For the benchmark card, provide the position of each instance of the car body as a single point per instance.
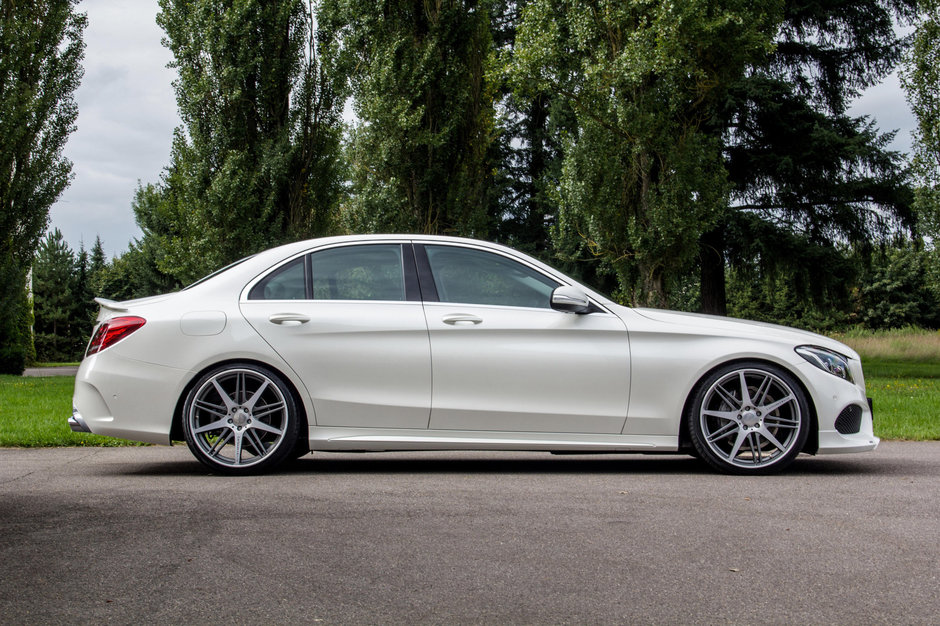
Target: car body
(407, 342)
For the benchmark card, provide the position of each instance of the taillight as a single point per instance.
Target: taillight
(112, 331)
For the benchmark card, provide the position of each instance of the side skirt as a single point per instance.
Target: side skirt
(332, 438)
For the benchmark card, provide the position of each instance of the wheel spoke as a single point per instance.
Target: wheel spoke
(774, 422)
(268, 409)
(220, 443)
(745, 391)
(742, 435)
(755, 452)
(239, 438)
(259, 425)
(770, 408)
(229, 403)
(762, 390)
(724, 415)
(239, 387)
(210, 407)
(766, 434)
(723, 433)
(255, 442)
(220, 423)
(250, 404)
(729, 398)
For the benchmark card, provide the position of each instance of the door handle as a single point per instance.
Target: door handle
(461, 318)
(289, 319)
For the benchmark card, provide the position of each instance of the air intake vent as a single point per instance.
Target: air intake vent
(849, 421)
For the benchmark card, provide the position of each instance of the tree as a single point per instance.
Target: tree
(16, 338)
(531, 127)
(921, 80)
(896, 292)
(421, 157)
(805, 175)
(97, 265)
(41, 49)
(134, 274)
(56, 300)
(256, 162)
(642, 177)
(84, 309)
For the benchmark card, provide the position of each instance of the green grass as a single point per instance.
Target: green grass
(34, 413)
(902, 375)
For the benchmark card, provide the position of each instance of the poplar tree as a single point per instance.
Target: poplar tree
(256, 161)
(41, 50)
(921, 80)
(642, 175)
(422, 154)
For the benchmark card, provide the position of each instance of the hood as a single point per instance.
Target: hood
(745, 328)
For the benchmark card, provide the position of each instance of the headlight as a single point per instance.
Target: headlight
(827, 360)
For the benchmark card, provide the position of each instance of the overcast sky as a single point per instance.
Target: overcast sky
(127, 113)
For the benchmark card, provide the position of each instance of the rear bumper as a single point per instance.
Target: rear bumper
(125, 398)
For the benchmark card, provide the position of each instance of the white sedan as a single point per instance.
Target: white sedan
(437, 343)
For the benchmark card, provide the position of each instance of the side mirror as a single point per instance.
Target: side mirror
(570, 300)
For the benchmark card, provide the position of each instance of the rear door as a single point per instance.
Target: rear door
(349, 321)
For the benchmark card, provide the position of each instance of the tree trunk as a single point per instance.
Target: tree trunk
(712, 267)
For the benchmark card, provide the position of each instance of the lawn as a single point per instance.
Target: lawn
(902, 374)
(34, 413)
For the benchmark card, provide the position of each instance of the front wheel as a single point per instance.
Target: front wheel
(749, 418)
(240, 419)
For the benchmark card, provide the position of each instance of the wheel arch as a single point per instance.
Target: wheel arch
(812, 441)
(176, 428)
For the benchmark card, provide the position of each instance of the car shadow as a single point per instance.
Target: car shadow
(389, 463)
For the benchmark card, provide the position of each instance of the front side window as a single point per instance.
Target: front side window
(367, 272)
(473, 276)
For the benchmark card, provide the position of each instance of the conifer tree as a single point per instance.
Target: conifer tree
(806, 175)
(56, 299)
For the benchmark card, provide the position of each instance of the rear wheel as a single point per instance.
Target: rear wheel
(749, 418)
(241, 419)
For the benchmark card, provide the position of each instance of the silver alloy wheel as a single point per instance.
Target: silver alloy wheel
(750, 418)
(237, 418)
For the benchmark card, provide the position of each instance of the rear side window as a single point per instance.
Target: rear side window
(285, 283)
(370, 272)
(365, 272)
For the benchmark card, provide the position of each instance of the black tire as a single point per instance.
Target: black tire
(241, 419)
(749, 418)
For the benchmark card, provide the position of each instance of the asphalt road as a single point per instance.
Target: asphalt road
(132, 535)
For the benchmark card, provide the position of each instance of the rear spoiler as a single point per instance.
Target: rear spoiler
(111, 305)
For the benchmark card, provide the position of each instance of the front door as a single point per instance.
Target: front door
(503, 360)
